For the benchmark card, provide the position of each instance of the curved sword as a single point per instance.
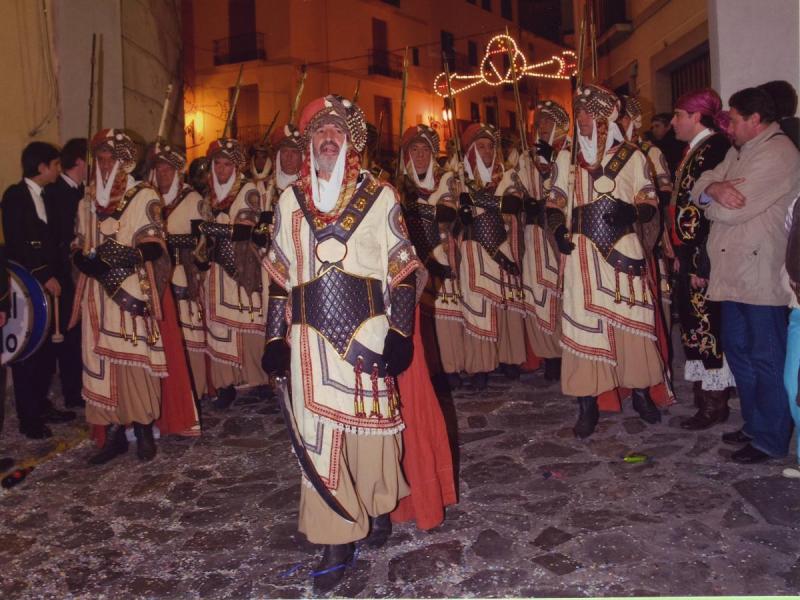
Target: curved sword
(285, 401)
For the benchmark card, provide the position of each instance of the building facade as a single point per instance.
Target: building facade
(350, 44)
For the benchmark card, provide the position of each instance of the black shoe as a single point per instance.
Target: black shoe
(225, 397)
(479, 381)
(736, 437)
(116, 444)
(330, 570)
(53, 415)
(588, 415)
(510, 371)
(145, 443)
(39, 432)
(552, 369)
(453, 381)
(749, 456)
(643, 404)
(380, 530)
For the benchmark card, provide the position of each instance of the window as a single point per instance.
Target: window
(491, 114)
(415, 57)
(486, 5)
(693, 75)
(244, 126)
(505, 10)
(472, 53)
(447, 48)
(474, 112)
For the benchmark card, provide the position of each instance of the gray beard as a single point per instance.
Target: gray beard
(326, 163)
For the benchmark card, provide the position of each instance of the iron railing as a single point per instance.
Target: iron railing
(240, 48)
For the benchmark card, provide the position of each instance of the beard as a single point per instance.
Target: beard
(325, 161)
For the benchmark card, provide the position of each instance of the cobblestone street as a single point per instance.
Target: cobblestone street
(540, 513)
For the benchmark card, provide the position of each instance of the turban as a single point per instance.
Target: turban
(227, 148)
(707, 102)
(288, 135)
(120, 144)
(420, 133)
(479, 130)
(556, 112)
(599, 102)
(171, 156)
(334, 109)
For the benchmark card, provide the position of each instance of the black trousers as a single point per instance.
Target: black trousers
(66, 356)
(31, 383)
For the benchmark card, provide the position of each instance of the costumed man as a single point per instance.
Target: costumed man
(343, 268)
(541, 261)
(286, 143)
(608, 325)
(232, 236)
(630, 123)
(182, 205)
(699, 121)
(131, 339)
(490, 247)
(259, 168)
(430, 209)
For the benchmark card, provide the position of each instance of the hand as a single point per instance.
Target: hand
(398, 351)
(52, 286)
(93, 267)
(726, 193)
(565, 246)
(697, 283)
(533, 208)
(150, 251)
(621, 215)
(3, 319)
(195, 224)
(465, 213)
(544, 150)
(439, 270)
(276, 358)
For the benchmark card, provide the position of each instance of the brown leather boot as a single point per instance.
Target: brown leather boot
(714, 409)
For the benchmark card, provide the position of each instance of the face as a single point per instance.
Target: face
(80, 168)
(259, 160)
(327, 140)
(485, 149)
(684, 124)
(659, 129)
(743, 129)
(545, 127)
(49, 172)
(105, 162)
(420, 153)
(624, 121)
(291, 160)
(585, 123)
(165, 174)
(223, 169)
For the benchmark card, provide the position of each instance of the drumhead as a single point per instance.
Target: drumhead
(28, 322)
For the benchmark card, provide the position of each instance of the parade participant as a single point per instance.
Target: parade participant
(429, 194)
(343, 268)
(29, 242)
(540, 264)
(699, 121)
(285, 142)
(182, 205)
(130, 332)
(232, 236)
(608, 314)
(491, 287)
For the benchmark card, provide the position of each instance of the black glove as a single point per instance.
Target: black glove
(265, 218)
(565, 246)
(439, 270)
(150, 251)
(533, 208)
(622, 214)
(397, 352)
(645, 212)
(507, 265)
(260, 234)
(465, 214)
(510, 205)
(91, 266)
(445, 213)
(203, 266)
(276, 358)
(544, 150)
(240, 232)
(195, 223)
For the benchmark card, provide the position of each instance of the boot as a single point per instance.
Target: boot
(116, 444)
(588, 415)
(510, 371)
(380, 530)
(552, 369)
(330, 570)
(643, 404)
(697, 392)
(713, 409)
(480, 381)
(225, 397)
(145, 444)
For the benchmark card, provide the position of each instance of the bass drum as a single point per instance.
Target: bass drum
(28, 322)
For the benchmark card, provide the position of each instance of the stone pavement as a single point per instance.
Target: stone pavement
(540, 513)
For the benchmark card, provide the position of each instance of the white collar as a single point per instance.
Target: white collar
(172, 193)
(35, 188)
(589, 144)
(326, 193)
(222, 189)
(700, 137)
(69, 181)
(484, 172)
(282, 180)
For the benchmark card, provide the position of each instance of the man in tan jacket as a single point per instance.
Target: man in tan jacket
(746, 198)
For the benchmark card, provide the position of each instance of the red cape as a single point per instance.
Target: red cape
(427, 459)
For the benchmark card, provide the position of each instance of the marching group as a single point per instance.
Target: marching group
(295, 258)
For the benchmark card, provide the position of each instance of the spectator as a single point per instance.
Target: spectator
(746, 198)
(785, 98)
(663, 137)
(792, 366)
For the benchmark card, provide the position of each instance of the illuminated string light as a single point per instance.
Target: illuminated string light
(561, 66)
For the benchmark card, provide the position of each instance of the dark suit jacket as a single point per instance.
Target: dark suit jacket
(28, 238)
(61, 204)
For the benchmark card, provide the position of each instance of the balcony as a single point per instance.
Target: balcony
(383, 62)
(240, 48)
(249, 134)
(459, 63)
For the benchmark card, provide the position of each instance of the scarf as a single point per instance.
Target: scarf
(325, 194)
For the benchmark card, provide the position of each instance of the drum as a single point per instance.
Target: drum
(28, 323)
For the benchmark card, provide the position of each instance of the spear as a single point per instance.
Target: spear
(298, 94)
(358, 90)
(234, 102)
(451, 105)
(402, 115)
(269, 127)
(160, 135)
(523, 136)
(87, 241)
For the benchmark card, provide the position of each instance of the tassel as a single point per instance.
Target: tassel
(239, 297)
(358, 399)
(391, 395)
(644, 288)
(502, 286)
(617, 294)
(135, 334)
(376, 405)
(122, 330)
(632, 300)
